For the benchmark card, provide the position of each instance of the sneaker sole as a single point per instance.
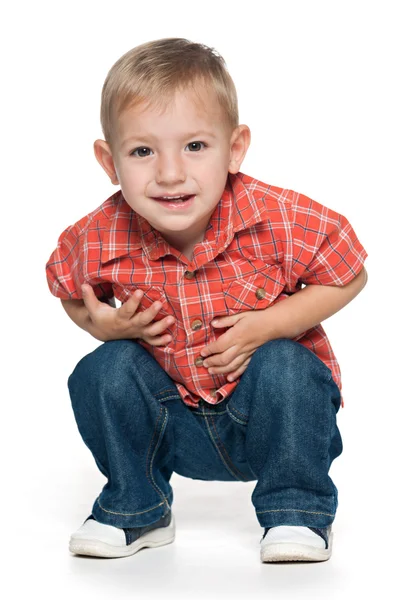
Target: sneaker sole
(286, 552)
(151, 539)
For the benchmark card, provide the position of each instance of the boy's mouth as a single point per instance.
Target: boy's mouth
(175, 201)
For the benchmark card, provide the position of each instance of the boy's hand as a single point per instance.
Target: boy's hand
(232, 352)
(108, 323)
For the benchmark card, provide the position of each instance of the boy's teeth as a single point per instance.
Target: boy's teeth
(174, 198)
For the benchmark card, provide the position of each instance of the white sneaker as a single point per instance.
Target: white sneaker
(286, 543)
(97, 539)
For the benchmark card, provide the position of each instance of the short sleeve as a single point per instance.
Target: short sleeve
(64, 269)
(324, 248)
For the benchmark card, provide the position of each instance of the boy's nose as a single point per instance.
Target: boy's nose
(170, 169)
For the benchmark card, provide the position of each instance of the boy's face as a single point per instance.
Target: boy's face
(185, 150)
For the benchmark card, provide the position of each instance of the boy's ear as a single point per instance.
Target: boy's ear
(102, 152)
(240, 141)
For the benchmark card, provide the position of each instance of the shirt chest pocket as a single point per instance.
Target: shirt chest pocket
(253, 292)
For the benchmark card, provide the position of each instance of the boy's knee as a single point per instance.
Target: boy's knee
(106, 364)
(287, 358)
(281, 349)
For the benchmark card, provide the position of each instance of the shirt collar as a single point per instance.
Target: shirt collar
(242, 205)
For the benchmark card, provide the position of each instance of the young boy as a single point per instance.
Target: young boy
(215, 365)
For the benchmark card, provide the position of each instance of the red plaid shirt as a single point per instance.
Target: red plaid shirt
(261, 244)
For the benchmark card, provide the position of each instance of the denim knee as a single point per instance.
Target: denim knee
(288, 354)
(283, 365)
(285, 359)
(106, 369)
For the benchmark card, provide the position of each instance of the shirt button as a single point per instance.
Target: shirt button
(190, 274)
(196, 324)
(260, 293)
(213, 393)
(199, 361)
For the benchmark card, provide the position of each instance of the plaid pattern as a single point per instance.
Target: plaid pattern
(261, 244)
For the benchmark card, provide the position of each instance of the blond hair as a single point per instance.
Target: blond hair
(154, 71)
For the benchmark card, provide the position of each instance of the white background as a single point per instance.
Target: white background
(317, 83)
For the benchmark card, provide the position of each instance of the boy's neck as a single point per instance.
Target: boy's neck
(184, 243)
(187, 248)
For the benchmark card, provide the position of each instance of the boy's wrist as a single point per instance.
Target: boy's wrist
(79, 314)
(271, 327)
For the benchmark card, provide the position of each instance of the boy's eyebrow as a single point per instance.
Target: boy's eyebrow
(150, 138)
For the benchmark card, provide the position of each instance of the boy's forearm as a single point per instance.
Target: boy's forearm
(78, 313)
(309, 307)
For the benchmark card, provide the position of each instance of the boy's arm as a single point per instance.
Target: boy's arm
(78, 313)
(289, 318)
(99, 317)
(310, 306)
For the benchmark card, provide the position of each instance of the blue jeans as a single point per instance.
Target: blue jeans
(278, 428)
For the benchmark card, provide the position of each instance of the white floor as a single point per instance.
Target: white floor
(215, 553)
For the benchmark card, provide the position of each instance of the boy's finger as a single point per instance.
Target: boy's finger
(239, 371)
(148, 315)
(228, 321)
(160, 340)
(129, 308)
(221, 359)
(89, 298)
(158, 327)
(213, 348)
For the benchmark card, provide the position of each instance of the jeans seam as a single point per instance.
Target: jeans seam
(219, 452)
(220, 455)
(309, 512)
(223, 412)
(150, 462)
(140, 512)
(234, 417)
(166, 390)
(159, 395)
(174, 397)
(234, 467)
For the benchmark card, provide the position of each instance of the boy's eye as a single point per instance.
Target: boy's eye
(194, 144)
(133, 153)
(137, 151)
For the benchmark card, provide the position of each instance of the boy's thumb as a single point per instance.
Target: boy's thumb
(87, 293)
(90, 299)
